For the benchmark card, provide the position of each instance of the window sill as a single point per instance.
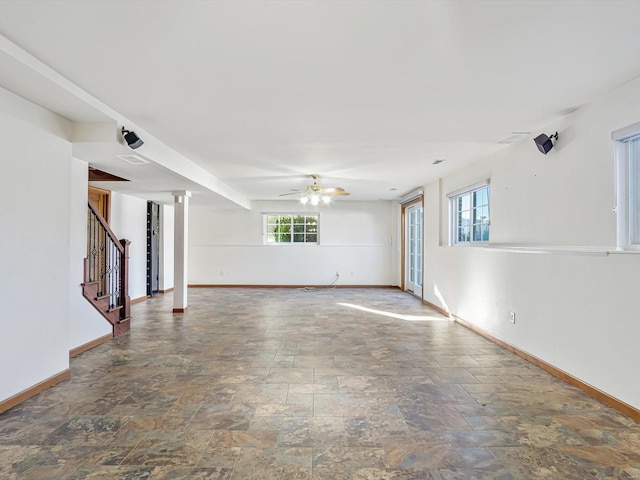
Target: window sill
(472, 245)
(624, 252)
(296, 244)
(560, 250)
(550, 249)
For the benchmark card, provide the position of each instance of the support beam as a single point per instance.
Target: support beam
(22, 62)
(180, 249)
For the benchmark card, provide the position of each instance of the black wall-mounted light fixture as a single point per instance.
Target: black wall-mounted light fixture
(131, 138)
(544, 143)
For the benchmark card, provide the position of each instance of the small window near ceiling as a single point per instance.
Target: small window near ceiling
(291, 228)
(628, 187)
(470, 216)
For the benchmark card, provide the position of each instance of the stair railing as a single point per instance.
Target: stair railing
(107, 263)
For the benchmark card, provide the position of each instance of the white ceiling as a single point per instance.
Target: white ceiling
(366, 94)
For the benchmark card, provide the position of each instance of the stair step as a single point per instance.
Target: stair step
(125, 320)
(87, 284)
(103, 297)
(116, 308)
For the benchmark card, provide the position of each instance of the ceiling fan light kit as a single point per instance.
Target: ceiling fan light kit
(314, 194)
(314, 199)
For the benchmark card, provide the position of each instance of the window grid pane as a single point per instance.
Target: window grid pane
(471, 216)
(634, 191)
(292, 228)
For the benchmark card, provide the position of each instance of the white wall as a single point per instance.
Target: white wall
(129, 220)
(577, 312)
(356, 239)
(166, 247)
(85, 324)
(34, 244)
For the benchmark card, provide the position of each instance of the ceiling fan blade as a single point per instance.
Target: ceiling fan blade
(291, 193)
(336, 191)
(341, 193)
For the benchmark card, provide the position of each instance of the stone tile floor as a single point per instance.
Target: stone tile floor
(322, 384)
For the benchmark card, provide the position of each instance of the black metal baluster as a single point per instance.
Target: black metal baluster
(112, 259)
(94, 250)
(105, 260)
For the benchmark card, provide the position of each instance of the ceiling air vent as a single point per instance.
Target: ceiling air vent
(133, 159)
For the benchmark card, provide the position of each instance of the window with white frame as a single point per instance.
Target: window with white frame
(628, 186)
(470, 215)
(291, 228)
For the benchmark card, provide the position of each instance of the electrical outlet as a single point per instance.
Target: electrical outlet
(512, 317)
(352, 274)
(222, 273)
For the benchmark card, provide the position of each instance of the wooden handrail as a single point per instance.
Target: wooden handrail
(104, 223)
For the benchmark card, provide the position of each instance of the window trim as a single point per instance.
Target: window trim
(469, 188)
(451, 197)
(622, 206)
(265, 232)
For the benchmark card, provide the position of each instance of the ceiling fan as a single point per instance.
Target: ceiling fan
(315, 193)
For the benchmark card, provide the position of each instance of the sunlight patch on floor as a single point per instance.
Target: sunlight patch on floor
(400, 316)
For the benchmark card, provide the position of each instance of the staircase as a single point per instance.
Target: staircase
(106, 273)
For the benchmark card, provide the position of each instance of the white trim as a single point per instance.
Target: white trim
(411, 196)
(625, 133)
(623, 193)
(550, 249)
(453, 211)
(620, 208)
(416, 285)
(469, 188)
(265, 222)
(557, 250)
(324, 245)
(312, 212)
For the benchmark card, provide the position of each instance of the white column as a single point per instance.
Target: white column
(180, 249)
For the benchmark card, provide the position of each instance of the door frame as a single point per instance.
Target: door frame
(154, 227)
(403, 240)
(105, 204)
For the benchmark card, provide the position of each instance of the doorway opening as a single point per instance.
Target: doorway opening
(101, 201)
(153, 248)
(412, 258)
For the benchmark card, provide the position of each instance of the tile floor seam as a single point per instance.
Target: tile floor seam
(383, 398)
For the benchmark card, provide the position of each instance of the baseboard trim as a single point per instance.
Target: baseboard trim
(166, 290)
(599, 395)
(219, 285)
(89, 345)
(34, 390)
(140, 299)
(437, 308)
(180, 310)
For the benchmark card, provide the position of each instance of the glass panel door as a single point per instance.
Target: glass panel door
(413, 250)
